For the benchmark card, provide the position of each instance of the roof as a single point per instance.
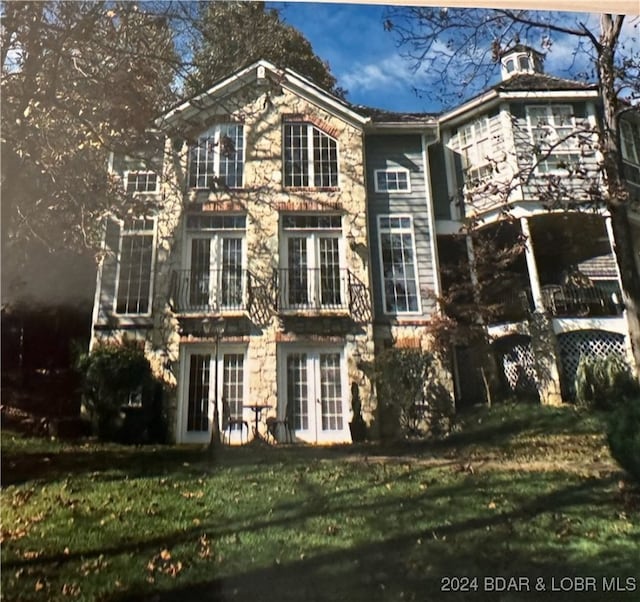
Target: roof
(384, 116)
(521, 48)
(602, 266)
(540, 82)
(261, 71)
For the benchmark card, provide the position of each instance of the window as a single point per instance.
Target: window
(397, 251)
(310, 157)
(552, 128)
(524, 63)
(392, 180)
(217, 159)
(630, 141)
(216, 276)
(474, 146)
(233, 385)
(311, 276)
(133, 294)
(141, 181)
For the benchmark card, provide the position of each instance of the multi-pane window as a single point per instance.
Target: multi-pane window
(553, 137)
(233, 383)
(330, 391)
(398, 264)
(135, 267)
(392, 180)
(630, 147)
(630, 141)
(310, 157)
(217, 158)
(297, 390)
(215, 276)
(311, 276)
(142, 181)
(473, 143)
(198, 394)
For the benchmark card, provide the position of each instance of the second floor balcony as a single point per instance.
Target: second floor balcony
(562, 301)
(234, 290)
(221, 290)
(325, 289)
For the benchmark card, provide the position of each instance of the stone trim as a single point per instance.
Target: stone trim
(407, 343)
(311, 189)
(286, 337)
(309, 206)
(322, 125)
(223, 340)
(223, 206)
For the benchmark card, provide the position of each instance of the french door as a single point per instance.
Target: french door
(216, 272)
(312, 277)
(198, 391)
(314, 385)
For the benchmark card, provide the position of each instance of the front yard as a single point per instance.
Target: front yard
(520, 491)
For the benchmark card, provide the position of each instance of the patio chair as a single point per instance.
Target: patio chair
(229, 423)
(274, 424)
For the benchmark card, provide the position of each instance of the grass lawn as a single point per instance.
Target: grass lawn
(519, 491)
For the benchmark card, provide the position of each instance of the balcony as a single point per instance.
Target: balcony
(325, 289)
(580, 301)
(221, 291)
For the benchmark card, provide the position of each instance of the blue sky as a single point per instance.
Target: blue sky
(368, 64)
(360, 53)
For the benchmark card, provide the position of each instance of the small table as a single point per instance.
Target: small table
(257, 409)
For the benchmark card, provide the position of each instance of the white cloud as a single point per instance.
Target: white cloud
(391, 72)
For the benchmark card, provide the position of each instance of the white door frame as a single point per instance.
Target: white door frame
(314, 433)
(186, 351)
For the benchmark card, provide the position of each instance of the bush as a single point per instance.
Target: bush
(112, 377)
(410, 393)
(602, 382)
(624, 436)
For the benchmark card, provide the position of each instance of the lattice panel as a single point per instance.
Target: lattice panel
(519, 368)
(589, 343)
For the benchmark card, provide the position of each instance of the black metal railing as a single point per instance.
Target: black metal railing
(212, 291)
(513, 306)
(321, 289)
(312, 288)
(580, 301)
(222, 290)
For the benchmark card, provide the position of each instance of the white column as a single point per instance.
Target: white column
(532, 268)
(612, 244)
(473, 273)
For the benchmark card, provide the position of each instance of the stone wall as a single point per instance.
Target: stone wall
(264, 199)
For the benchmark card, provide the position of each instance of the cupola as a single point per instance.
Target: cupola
(520, 59)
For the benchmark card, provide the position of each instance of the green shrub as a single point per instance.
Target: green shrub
(603, 382)
(113, 375)
(624, 436)
(410, 393)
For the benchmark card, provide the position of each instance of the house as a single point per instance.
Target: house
(280, 237)
(527, 149)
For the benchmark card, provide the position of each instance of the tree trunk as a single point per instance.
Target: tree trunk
(616, 193)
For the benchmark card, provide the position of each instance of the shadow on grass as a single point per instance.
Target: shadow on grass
(411, 566)
(496, 427)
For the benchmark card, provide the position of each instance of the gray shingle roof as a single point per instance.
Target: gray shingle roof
(540, 82)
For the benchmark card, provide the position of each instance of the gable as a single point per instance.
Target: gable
(259, 79)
